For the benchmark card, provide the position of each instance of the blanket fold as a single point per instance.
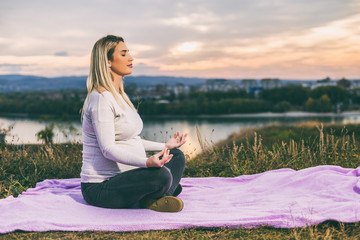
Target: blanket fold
(282, 198)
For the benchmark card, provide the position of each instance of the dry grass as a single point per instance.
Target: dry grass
(247, 152)
(329, 230)
(277, 146)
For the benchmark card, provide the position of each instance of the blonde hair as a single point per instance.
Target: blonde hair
(99, 75)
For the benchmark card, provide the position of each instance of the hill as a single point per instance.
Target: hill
(12, 83)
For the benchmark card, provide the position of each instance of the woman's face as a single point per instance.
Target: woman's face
(121, 64)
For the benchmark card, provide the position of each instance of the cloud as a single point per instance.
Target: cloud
(11, 68)
(48, 65)
(332, 47)
(61, 54)
(145, 69)
(231, 38)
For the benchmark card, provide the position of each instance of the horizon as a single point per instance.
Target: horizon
(168, 76)
(245, 39)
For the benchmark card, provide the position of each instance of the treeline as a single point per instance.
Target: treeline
(64, 103)
(67, 103)
(214, 102)
(320, 99)
(288, 98)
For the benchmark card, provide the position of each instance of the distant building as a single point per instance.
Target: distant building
(157, 91)
(324, 82)
(355, 84)
(308, 84)
(222, 85)
(268, 83)
(249, 84)
(255, 90)
(179, 88)
(319, 83)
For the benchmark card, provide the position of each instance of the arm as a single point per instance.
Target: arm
(102, 117)
(153, 146)
(175, 142)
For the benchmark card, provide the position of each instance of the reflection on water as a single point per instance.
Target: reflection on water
(160, 129)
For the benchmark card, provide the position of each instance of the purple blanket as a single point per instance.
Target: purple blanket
(280, 198)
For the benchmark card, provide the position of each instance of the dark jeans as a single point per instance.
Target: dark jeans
(125, 190)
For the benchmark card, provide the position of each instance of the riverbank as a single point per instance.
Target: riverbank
(158, 128)
(202, 116)
(291, 114)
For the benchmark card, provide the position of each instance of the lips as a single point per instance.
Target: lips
(130, 65)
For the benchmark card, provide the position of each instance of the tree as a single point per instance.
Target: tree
(311, 105)
(319, 105)
(336, 94)
(4, 132)
(283, 106)
(324, 103)
(46, 134)
(295, 95)
(343, 83)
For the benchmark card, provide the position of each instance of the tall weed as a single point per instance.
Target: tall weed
(22, 166)
(241, 154)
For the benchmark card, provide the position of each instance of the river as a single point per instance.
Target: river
(211, 128)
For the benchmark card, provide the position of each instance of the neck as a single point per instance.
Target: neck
(117, 82)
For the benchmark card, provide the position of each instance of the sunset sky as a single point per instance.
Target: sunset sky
(234, 39)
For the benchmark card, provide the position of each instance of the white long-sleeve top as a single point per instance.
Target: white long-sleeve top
(111, 141)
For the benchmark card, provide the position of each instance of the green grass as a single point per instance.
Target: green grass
(247, 152)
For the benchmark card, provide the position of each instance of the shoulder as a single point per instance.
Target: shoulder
(101, 95)
(103, 98)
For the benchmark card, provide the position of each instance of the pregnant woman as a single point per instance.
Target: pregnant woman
(116, 172)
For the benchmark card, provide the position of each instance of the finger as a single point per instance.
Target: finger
(184, 137)
(169, 158)
(159, 154)
(166, 153)
(162, 152)
(176, 134)
(164, 161)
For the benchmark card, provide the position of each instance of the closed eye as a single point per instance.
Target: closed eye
(123, 52)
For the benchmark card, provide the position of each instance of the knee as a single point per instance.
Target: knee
(162, 177)
(178, 155)
(176, 151)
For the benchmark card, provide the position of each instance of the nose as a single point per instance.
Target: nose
(131, 58)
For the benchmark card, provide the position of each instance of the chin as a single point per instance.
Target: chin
(125, 74)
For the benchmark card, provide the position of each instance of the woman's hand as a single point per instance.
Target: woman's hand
(176, 141)
(155, 161)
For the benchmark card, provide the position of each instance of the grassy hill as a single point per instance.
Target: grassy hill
(246, 152)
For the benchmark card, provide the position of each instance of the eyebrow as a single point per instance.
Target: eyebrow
(124, 50)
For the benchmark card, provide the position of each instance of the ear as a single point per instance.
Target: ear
(109, 64)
